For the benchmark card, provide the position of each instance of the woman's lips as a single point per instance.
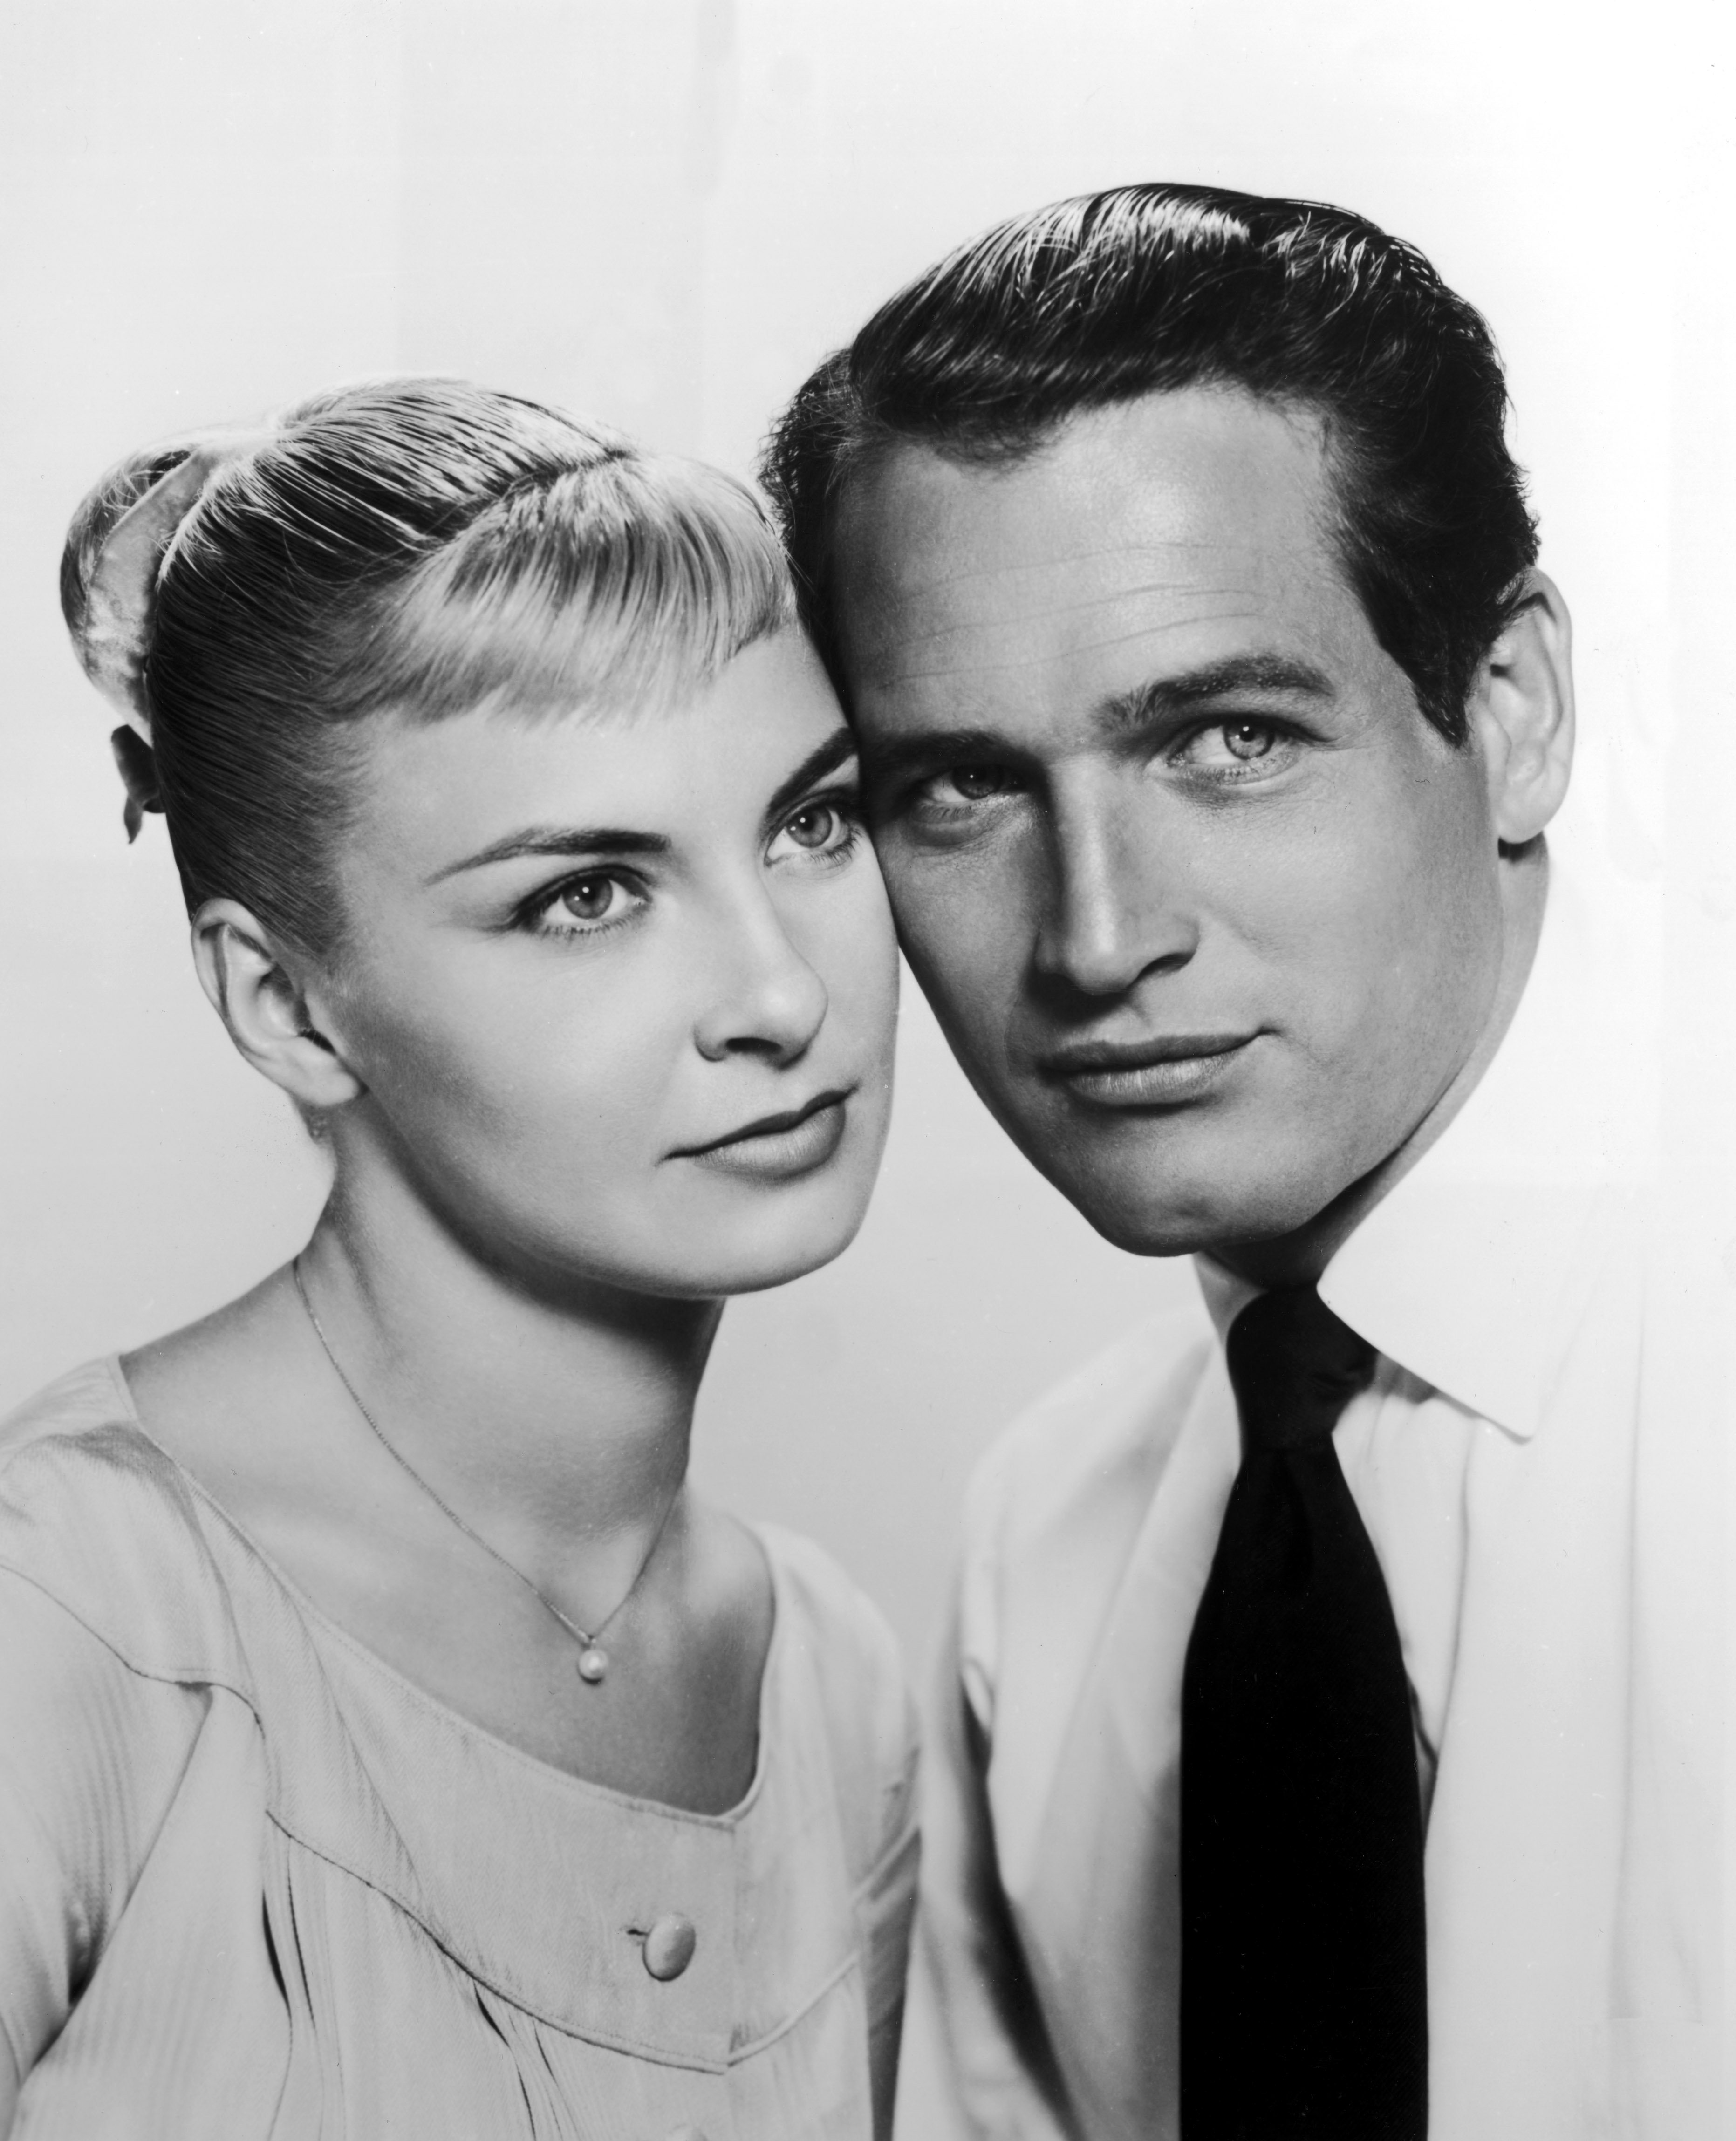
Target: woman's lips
(1156, 1073)
(777, 1148)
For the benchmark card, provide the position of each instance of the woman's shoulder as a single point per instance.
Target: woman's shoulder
(855, 1669)
(834, 1612)
(95, 1516)
(83, 1401)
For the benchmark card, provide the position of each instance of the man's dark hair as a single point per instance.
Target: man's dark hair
(1144, 289)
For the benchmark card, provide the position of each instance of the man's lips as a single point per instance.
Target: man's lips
(1166, 1071)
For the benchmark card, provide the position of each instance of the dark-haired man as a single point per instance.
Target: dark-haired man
(1328, 1748)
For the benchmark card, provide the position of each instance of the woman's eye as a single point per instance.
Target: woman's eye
(821, 828)
(815, 827)
(593, 902)
(589, 899)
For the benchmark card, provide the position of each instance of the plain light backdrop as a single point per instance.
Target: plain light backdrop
(662, 214)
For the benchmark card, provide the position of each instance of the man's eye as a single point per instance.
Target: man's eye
(971, 784)
(1225, 747)
(1246, 740)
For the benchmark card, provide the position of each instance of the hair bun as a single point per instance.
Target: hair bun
(114, 558)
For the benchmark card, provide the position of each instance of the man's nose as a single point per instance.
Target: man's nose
(1117, 907)
(761, 997)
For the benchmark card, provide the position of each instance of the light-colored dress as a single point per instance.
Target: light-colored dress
(254, 1882)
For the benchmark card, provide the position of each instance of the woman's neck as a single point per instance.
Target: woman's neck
(547, 1418)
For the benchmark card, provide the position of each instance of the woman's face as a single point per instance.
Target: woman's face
(622, 986)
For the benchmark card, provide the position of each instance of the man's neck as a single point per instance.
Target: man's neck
(1298, 1259)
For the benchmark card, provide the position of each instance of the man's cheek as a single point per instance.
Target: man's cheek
(964, 984)
(943, 913)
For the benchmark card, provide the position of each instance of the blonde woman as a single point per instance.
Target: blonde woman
(390, 1741)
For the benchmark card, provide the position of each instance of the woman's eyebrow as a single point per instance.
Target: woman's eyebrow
(838, 749)
(839, 746)
(559, 840)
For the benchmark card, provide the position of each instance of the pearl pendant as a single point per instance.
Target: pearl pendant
(593, 1663)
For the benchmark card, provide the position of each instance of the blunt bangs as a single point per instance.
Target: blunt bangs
(613, 587)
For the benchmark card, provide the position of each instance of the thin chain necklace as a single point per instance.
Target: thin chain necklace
(593, 1658)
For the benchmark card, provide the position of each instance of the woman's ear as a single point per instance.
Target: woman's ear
(1521, 712)
(254, 990)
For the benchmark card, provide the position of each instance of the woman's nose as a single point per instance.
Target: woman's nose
(763, 997)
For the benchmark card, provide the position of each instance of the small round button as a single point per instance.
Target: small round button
(669, 1946)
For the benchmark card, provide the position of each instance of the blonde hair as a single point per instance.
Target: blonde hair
(422, 546)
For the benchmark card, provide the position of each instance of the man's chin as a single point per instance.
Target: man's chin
(1178, 1218)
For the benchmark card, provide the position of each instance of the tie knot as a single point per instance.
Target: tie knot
(1294, 1366)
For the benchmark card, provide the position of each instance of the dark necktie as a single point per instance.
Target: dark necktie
(1304, 1994)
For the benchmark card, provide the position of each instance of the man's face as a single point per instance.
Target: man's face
(1208, 910)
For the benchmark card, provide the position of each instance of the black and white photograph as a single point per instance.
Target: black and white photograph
(868, 1165)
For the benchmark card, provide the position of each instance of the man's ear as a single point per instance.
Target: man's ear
(1521, 712)
(255, 991)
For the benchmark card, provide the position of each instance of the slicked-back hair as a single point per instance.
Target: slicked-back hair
(423, 547)
(1147, 289)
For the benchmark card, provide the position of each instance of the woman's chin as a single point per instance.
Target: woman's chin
(749, 1251)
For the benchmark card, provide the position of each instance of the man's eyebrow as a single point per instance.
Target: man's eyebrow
(925, 749)
(839, 748)
(559, 840)
(1279, 673)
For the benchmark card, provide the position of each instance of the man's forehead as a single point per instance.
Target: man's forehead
(1178, 525)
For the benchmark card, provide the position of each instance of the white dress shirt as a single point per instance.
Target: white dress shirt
(1538, 1464)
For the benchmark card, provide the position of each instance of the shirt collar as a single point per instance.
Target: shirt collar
(1464, 1272)
(1227, 1293)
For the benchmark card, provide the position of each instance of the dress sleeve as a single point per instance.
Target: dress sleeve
(997, 2046)
(91, 1754)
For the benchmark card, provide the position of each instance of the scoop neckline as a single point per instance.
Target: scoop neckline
(446, 1712)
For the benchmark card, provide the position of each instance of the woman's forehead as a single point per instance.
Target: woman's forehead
(676, 764)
